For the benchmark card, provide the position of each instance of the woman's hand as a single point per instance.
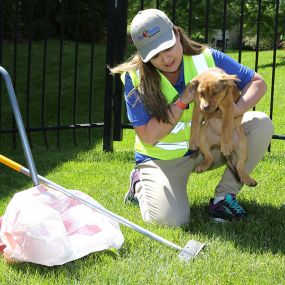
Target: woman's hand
(187, 95)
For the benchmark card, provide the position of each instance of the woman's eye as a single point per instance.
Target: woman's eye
(157, 55)
(168, 49)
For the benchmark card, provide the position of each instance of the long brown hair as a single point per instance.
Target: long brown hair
(151, 94)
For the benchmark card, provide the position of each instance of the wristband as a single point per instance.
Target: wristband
(180, 104)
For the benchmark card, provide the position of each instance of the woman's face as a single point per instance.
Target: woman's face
(169, 60)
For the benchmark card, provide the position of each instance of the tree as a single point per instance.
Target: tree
(208, 15)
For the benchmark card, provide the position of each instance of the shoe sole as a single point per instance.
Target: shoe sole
(219, 221)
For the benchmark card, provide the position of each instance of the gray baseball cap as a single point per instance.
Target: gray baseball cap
(152, 32)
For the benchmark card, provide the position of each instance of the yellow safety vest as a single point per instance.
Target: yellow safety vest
(176, 143)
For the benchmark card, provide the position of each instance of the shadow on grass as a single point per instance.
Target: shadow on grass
(271, 64)
(66, 269)
(263, 230)
(47, 160)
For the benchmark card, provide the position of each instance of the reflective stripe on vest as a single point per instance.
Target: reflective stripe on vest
(176, 143)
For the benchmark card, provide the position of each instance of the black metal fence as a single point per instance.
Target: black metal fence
(113, 98)
(56, 52)
(46, 43)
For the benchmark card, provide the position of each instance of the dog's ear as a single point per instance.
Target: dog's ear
(236, 93)
(192, 88)
(228, 78)
(194, 84)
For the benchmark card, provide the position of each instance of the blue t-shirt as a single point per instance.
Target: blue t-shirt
(139, 116)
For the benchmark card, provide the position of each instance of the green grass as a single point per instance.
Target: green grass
(246, 252)
(67, 94)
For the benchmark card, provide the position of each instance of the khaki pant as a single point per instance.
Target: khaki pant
(161, 191)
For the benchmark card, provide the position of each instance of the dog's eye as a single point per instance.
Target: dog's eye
(215, 92)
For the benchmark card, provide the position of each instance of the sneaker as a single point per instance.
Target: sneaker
(226, 210)
(130, 195)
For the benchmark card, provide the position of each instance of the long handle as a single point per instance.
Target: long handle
(20, 125)
(14, 165)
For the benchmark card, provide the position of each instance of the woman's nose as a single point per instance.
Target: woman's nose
(165, 58)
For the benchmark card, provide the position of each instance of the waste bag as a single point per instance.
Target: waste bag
(44, 226)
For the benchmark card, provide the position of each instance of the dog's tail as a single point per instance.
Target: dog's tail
(232, 166)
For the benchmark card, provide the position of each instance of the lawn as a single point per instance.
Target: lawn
(246, 252)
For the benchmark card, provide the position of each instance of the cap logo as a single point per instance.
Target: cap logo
(149, 33)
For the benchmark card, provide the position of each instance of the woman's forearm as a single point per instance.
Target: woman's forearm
(250, 95)
(154, 130)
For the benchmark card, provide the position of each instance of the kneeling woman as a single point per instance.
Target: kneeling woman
(159, 108)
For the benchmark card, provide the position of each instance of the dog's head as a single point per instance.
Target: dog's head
(211, 87)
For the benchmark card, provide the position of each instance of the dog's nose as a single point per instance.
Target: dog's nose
(206, 107)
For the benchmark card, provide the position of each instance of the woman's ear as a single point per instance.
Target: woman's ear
(177, 33)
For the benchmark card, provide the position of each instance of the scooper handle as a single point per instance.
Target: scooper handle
(20, 125)
(10, 163)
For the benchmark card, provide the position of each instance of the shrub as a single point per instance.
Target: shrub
(250, 42)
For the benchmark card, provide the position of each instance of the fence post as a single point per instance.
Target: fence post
(116, 38)
(120, 46)
(110, 59)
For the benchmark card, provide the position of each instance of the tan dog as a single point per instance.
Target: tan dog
(214, 99)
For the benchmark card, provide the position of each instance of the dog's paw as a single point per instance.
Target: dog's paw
(203, 166)
(226, 148)
(248, 181)
(199, 169)
(194, 144)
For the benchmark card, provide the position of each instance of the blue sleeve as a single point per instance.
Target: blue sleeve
(231, 66)
(137, 113)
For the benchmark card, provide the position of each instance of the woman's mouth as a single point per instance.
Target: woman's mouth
(170, 64)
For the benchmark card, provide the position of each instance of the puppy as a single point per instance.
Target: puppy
(213, 122)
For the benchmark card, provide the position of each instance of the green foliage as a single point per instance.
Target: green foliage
(94, 14)
(198, 37)
(267, 21)
(215, 20)
(7, 13)
(91, 15)
(251, 43)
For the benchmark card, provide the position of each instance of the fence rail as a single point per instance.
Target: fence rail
(57, 58)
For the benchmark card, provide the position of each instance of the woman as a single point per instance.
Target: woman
(158, 108)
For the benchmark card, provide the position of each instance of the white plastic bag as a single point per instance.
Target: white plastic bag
(44, 226)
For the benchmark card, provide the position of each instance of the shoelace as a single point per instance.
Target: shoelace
(236, 207)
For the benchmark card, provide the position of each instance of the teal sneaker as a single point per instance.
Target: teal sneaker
(130, 195)
(226, 210)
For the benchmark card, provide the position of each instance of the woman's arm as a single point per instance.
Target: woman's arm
(251, 94)
(154, 130)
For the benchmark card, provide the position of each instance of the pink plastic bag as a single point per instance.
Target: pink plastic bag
(44, 226)
(2, 245)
